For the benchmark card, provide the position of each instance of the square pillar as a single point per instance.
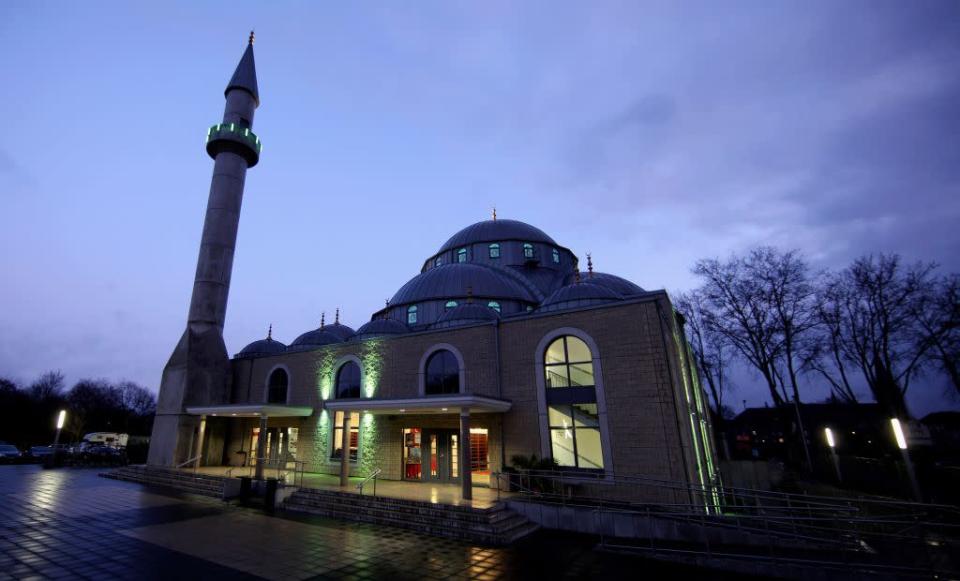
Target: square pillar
(466, 477)
(261, 444)
(345, 450)
(198, 450)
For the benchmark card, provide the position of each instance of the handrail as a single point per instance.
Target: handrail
(372, 476)
(182, 464)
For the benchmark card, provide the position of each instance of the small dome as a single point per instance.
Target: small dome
(451, 281)
(615, 283)
(312, 339)
(494, 231)
(466, 314)
(262, 348)
(340, 330)
(379, 327)
(579, 294)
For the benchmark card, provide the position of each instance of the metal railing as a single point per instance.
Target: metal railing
(194, 461)
(792, 525)
(282, 468)
(372, 476)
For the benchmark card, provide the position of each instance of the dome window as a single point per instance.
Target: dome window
(527, 250)
(450, 305)
(556, 256)
(494, 305)
(412, 315)
(494, 250)
(462, 255)
(438, 261)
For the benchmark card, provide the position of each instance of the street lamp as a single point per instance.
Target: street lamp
(901, 439)
(833, 452)
(61, 419)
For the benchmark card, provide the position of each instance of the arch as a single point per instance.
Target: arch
(546, 450)
(268, 396)
(338, 366)
(422, 380)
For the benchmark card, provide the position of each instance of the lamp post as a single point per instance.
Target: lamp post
(61, 419)
(901, 439)
(828, 433)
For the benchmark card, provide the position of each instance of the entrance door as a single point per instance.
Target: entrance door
(441, 452)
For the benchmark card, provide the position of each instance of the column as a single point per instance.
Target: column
(261, 448)
(198, 451)
(345, 450)
(466, 477)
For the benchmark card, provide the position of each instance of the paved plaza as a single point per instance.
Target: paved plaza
(71, 524)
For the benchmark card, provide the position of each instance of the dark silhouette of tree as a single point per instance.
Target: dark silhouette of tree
(939, 318)
(710, 350)
(47, 386)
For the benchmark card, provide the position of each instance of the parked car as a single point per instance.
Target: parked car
(9, 454)
(38, 453)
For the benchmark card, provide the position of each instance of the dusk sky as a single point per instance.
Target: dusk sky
(650, 134)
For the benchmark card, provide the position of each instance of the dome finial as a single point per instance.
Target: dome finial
(494, 213)
(589, 265)
(251, 37)
(336, 319)
(270, 332)
(323, 316)
(470, 294)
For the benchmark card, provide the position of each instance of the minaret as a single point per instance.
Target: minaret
(198, 372)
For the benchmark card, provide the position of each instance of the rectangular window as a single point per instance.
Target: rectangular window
(575, 436)
(412, 462)
(494, 251)
(479, 453)
(337, 451)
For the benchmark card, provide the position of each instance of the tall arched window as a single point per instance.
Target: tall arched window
(442, 374)
(412, 315)
(572, 412)
(348, 380)
(277, 386)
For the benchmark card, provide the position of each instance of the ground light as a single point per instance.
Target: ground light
(901, 438)
(828, 433)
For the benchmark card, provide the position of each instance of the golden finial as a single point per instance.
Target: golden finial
(251, 37)
(494, 213)
(323, 316)
(270, 332)
(589, 265)
(336, 320)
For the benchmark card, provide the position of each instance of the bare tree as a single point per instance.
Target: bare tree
(939, 319)
(876, 300)
(824, 354)
(710, 350)
(137, 398)
(47, 386)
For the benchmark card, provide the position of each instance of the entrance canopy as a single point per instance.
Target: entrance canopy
(251, 410)
(434, 404)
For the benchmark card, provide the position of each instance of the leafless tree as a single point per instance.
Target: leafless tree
(876, 301)
(824, 354)
(47, 386)
(136, 398)
(710, 350)
(939, 319)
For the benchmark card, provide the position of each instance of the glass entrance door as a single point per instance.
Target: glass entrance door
(441, 453)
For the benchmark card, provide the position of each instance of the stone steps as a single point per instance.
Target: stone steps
(201, 484)
(491, 526)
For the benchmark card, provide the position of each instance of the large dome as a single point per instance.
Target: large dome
(579, 294)
(313, 339)
(496, 231)
(451, 281)
(263, 347)
(611, 281)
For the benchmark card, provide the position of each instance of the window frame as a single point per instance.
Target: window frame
(412, 315)
(556, 256)
(495, 305)
(493, 250)
(422, 368)
(336, 379)
(266, 385)
(568, 409)
(461, 255)
(354, 428)
(528, 251)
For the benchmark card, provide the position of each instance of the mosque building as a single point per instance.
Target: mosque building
(500, 346)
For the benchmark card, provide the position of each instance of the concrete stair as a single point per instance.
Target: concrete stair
(202, 484)
(496, 525)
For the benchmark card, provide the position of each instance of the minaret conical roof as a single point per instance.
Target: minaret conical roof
(245, 77)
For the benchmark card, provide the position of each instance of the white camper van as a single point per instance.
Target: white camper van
(111, 439)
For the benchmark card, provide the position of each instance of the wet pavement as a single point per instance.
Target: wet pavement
(72, 524)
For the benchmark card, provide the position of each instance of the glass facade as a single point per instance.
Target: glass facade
(336, 452)
(572, 413)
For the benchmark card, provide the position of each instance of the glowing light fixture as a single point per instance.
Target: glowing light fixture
(829, 434)
(61, 418)
(898, 433)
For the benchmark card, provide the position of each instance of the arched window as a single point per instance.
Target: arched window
(277, 386)
(494, 250)
(462, 255)
(438, 261)
(442, 374)
(527, 250)
(568, 363)
(494, 305)
(348, 380)
(450, 305)
(412, 315)
(556, 256)
(572, 414)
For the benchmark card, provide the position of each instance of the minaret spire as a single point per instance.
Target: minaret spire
(336, 320)
(322, 317)
(245, 76)
(270, 332)
(589, 265)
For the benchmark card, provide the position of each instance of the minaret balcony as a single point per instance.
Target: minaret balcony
(236, 139)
